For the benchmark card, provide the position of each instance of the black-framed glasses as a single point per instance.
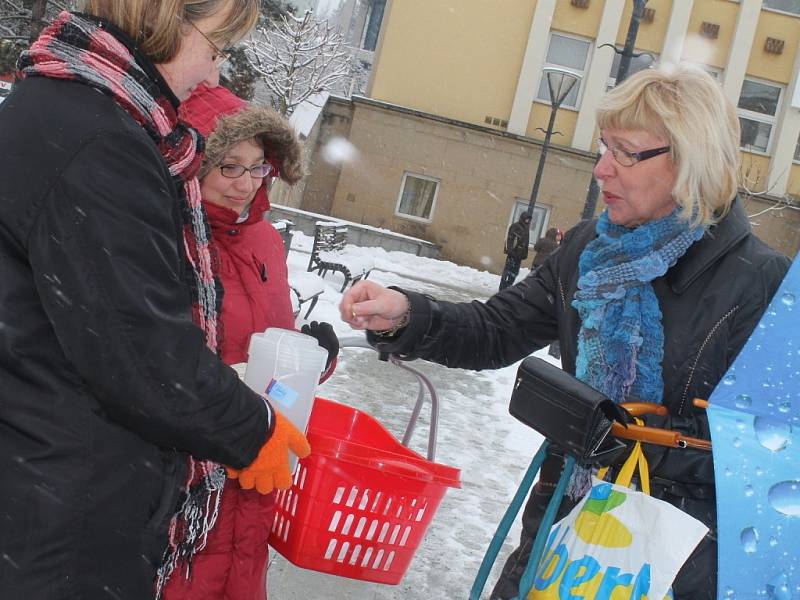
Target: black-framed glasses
(232, 171)
(220, 55)
(628, 159)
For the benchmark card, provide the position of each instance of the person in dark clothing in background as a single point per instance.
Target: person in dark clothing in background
(516, 249)
(544, 246)
(653, 299)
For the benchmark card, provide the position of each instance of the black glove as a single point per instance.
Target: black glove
(326, 338)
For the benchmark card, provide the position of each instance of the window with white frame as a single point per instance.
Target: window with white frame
(758, 109)
(797, 151)
(789, 6)
(541, 216)
(417, 197)
(645, 60)
(570, 53)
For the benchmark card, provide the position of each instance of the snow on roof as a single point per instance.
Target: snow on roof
(334, 221)
(306, 114)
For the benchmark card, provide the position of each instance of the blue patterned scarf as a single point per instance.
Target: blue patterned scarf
(621, 341)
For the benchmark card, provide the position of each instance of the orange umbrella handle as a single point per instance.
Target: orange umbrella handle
(660, 437)
(654, 435)
(637, 409)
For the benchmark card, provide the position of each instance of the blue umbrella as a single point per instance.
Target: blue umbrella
(754, 415)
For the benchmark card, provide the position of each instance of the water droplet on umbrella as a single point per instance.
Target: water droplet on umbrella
(729, 379)
(743, 401)
(773, 435)
(749, 539)
(788, 299)
(784, 497)
(748, 490)
(778, 588)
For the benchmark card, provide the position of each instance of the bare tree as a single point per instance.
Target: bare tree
(751, 178)
(297, 58)
(21, 21)
(272, 10)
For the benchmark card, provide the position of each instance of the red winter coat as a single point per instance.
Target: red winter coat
(233, 565)
(252, 267)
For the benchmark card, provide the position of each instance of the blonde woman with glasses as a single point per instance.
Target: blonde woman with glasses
(653, 300)
(117, 417)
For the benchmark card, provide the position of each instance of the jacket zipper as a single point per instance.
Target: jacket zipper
(711, 333)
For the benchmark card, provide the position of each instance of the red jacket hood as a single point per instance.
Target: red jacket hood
(225, 120)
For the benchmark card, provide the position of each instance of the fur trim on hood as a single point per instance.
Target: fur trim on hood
(225, 120)
(273, 132)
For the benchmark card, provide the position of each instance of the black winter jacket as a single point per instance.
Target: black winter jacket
(517, 240)
(711, 301)
(543, 247)
(105, 382)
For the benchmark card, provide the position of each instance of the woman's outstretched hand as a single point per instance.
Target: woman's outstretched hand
(368, 305)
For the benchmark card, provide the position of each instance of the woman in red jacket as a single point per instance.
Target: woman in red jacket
(246, 146)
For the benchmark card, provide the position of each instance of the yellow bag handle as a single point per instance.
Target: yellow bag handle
(636, 458)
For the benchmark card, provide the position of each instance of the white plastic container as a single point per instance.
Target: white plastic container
(291, 363)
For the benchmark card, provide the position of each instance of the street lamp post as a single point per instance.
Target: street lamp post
(560, 83)
(622, 72)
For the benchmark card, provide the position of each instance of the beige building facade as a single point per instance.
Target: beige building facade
(446, 147)
(473, 181)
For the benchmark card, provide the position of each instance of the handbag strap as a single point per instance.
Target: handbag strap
(507, 521)
(529, 576)
(635, 459)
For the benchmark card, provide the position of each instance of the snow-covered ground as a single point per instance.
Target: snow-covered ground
(476, 435)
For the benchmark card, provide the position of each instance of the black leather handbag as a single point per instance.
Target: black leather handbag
(572, 415)
(576, 419)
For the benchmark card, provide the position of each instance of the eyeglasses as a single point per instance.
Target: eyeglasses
(257, 172)
(628, 159)
(220, 56)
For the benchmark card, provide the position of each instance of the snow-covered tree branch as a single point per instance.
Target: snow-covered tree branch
(20, 21)
(297, 58)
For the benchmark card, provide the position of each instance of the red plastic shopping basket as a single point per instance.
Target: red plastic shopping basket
(361, 502)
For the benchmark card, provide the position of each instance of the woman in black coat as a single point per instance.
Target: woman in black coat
(115, 411)
(654, 299)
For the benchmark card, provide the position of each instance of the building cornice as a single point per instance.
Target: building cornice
(460, 124)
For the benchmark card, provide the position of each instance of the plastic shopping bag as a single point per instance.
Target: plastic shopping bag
(617, 544)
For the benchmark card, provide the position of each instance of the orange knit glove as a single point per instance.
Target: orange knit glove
(270, 469)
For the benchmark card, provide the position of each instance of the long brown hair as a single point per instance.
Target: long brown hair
(155, 25)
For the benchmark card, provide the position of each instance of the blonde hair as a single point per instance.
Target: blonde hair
(686, 106)
(155, 25)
